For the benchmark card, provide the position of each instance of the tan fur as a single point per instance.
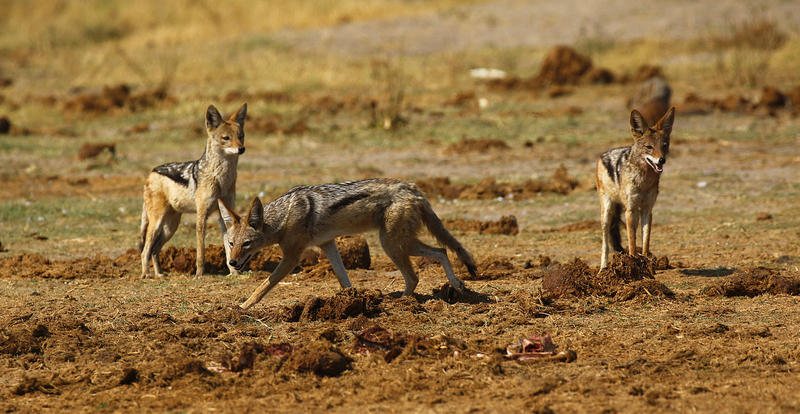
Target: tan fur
(165, 199)
(636, 189)
(315, 216)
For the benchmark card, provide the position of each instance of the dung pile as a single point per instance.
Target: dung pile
(346, 303)
(117, 97)
(625, 278)
(755, 281)
(506, 225)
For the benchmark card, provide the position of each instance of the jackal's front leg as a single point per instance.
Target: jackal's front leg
(200, 227)
(647, 217)
(332, 252)
(285, 266)
(231, 269)
(632, 223)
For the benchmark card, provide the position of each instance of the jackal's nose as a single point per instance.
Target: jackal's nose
(662, 161)
(241, 150)
(232, 263)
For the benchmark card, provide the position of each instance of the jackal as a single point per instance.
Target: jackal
(315, 215)
(192, 187)
(627, 180)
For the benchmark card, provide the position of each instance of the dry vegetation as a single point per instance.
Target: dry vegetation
(93, 94)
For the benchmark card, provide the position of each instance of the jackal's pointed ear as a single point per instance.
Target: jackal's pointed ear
(665, 123)
(213, 118)
(229, 217)
(255, 217)
(638, 124)
(240, 116)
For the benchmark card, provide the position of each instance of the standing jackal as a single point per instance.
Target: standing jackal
(192, 187)
(316, 215)
(627, 180)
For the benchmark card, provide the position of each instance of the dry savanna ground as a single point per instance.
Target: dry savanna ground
(93, 95)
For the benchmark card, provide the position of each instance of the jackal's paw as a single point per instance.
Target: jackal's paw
(459, 286)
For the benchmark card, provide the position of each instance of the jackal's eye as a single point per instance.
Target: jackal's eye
(226, 138)
(650, 147)
(246, 244)
(230, 243)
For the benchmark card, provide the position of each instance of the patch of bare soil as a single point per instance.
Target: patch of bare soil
(625, 278)
(346, 303)
(476, 145)
(488, 188)
(755, 281)
(117, 98)
(770, 103)
(505, 225)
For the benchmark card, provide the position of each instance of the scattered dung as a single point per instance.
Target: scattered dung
(354, 251)
(755, 281)
(563, 65)
(92, 150)
(556, 91)
(600, 76)
(5, 125)
(625, 278)
(320, 358)
(463, 98)
(129, 376)
(764, 216)
(492, 268)
(276, 124)
(440, 187)
(346, 303)
(645, 72)
(377, 339)
(771, 97)
(118, 97)
(505, 225)
(476, 145)
(794, 95)
(451, 295)
(265, 96)
(585, 225)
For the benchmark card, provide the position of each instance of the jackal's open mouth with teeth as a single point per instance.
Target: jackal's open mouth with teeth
(242, 263)
(657, 167)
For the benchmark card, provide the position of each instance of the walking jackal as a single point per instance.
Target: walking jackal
(316, 215)
(192, 187)
(627, 180)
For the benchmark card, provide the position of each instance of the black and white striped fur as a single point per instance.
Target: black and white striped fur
(315, 215)
(192, 187)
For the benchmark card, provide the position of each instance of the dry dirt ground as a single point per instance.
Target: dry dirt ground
(710, 324)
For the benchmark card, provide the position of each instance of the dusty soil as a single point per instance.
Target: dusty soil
(709, 324)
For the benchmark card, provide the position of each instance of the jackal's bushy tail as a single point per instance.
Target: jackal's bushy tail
(444, 237)
(142, 229)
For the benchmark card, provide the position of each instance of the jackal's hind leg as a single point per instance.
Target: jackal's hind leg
(169, 224)
(398, 254)
(332, 252)
(440, 255)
